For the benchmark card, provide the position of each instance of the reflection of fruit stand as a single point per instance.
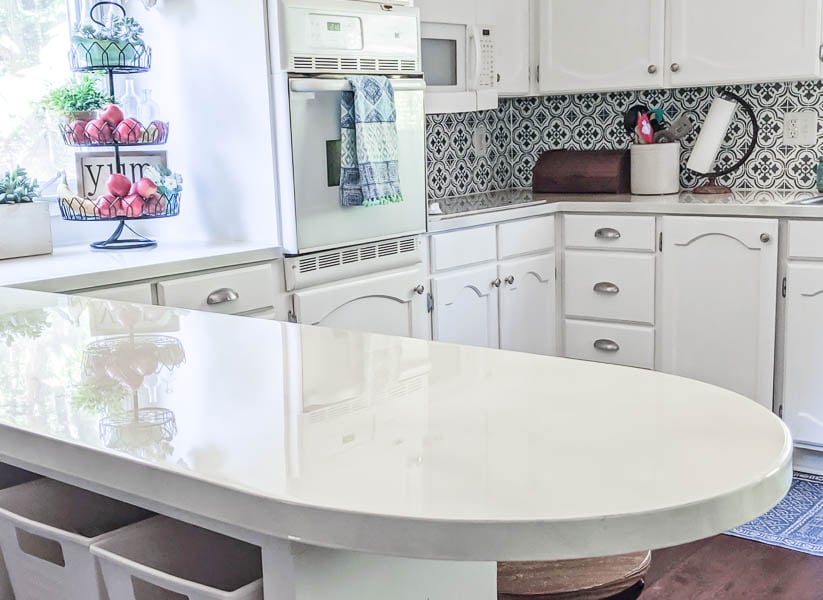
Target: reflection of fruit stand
(117, 49)
(124, 363)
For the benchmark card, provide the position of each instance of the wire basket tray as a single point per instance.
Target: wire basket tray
(128, 133)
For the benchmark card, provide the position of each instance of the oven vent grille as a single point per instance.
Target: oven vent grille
(340, 64)
(336, 258)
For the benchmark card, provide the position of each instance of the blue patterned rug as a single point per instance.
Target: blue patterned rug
(796, 523)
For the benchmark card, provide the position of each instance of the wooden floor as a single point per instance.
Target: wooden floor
(728, 568)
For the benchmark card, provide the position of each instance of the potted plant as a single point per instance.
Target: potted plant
(25, 225)
(117, 44)
(77, 100)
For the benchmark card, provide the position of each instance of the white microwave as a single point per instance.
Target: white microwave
(458, 65)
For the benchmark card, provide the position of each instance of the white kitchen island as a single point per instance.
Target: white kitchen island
(368, 466)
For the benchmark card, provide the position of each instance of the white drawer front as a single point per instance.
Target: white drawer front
(139, 293)
(463, 248)
(253, 289)
(530, 236)
(805, 239)
(608, 232)
(613, 286)
(627, 345)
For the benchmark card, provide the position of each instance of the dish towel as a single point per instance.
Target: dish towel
(369, 157)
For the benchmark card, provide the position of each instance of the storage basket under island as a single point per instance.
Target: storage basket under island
(114, 57)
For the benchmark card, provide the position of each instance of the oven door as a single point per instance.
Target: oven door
(322, 222)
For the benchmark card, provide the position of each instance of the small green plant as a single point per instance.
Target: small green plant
(121, 29)
(76, 97)
(16, 187)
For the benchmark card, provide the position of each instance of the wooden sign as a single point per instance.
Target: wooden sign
(93, 169)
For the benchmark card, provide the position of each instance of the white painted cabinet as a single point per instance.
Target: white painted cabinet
(528, 308)
(718, 302)
(512, 22)
(803, 353)
(596, 45)
(466, 307)
(735, 41)
(391, 304)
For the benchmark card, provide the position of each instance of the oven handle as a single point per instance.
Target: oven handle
(316, 84)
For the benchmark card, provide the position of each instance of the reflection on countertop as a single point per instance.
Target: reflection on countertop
(489, 207)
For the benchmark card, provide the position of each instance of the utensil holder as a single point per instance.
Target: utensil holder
(655, 169)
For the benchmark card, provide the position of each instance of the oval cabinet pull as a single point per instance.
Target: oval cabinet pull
(497, 283)
(652, 69)
(222, 296)
(420, 290)
(765, 238)
(510, 279)
(607, 345)
(675, 67)
(607, 233)
(606, 287)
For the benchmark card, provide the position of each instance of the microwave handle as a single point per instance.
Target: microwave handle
(322, 84)
(475, 39)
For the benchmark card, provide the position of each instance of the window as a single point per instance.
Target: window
(34, 40)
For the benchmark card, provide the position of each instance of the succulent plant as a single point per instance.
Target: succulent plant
(76, 96)
(16, 187)
(121, 29)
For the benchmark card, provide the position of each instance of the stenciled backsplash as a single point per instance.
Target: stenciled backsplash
(522, 128)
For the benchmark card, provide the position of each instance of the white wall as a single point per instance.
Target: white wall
(210, 78)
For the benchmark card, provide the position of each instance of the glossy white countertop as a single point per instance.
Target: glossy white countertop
(74, 267)
(506, 205)
(377, 444)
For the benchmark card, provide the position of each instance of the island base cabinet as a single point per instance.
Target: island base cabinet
(293, 571)
(719, 302)
(528, 305)
(803, 353)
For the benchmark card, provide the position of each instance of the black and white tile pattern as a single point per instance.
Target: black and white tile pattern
(522, 128)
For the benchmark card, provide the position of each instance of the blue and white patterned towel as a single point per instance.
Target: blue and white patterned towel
(369, 158)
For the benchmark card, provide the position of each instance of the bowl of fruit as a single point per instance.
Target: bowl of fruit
(110, 126)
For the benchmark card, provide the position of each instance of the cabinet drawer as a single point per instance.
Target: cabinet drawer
(462, 248)
(627, 345)
(231, 292)
(608, 232)
(610, 285)
(529, 236)
(139, 293)
(805, 239)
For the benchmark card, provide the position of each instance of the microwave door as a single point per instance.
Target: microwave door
(443, 49)
(320, 219)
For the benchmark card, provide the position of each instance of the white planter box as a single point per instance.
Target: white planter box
(25, 229)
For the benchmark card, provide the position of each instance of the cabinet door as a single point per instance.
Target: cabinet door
(743, 41)
(454, 11)
(803, 353)
(594, 45)
(465, 307)
(528, 318)
(512, 38)
(719, 296)
(392, 304)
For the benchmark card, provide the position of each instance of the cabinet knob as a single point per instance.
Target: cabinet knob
(765, 238)
(675, 67)
(607, 345)
(497, 283)
(420, 290)
(652, 69)
(222, 296)
(606, 287)
(607, 233)
(510, 279)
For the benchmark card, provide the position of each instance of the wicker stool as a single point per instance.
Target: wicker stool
(618, 577)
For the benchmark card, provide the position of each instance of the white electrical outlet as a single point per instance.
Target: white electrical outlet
(480, 141)
(800, 128)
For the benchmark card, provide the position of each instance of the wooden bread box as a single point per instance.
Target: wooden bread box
(583, 172)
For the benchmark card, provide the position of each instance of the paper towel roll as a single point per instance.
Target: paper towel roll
(712, 136)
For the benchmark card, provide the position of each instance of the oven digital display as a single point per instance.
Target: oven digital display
(334, 26)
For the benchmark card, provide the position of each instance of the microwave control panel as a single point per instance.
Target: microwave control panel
(485, 44)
